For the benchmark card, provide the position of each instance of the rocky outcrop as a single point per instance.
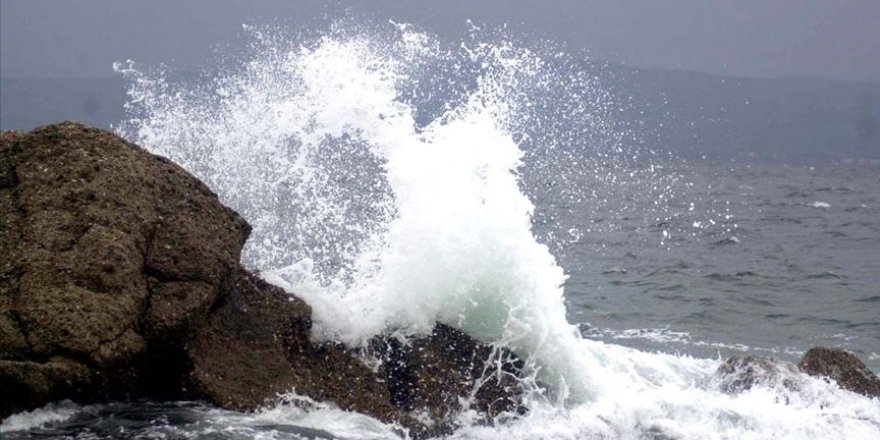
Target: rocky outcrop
(256, 345)
(98, 237)
(120, 278)
(741, 373)
(842, 367)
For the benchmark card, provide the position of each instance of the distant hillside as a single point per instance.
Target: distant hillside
(690, 114)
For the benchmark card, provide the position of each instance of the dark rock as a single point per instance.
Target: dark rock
(256, 345)
(28, 381)
(435, 374)
(742, 373)
(842, 367)
(120, 278)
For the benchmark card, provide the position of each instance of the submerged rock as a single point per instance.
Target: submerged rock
(120, 278)
(742, 373)
(448, 372)
(842, 367)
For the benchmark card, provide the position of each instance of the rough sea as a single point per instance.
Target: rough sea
(396, 180)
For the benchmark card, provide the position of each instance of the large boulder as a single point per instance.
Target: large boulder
(842, 367)
(106, 252)
(120, 278)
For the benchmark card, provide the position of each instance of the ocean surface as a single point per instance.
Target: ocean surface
(760, 259)
(399, 181)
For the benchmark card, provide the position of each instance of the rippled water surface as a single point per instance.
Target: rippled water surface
(769, 259)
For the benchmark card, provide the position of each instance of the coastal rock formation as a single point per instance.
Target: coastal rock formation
(120, 278)
(842, 367)
(108, 254)
(741, 373)
(435, 374)
(256, 345)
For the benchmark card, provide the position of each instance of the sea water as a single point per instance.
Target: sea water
(395, 180)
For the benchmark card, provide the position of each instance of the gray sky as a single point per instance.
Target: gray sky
(837, 39)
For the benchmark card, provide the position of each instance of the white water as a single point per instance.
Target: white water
(386, 217)
(52, 413)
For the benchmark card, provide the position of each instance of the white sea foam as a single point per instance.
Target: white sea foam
(387, 217)
(40, 417)
(669, 337)
(302, 412)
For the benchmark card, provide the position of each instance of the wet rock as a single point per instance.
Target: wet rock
(256, 346)
(447, 372)
(97, 236)
(30, 381)
(742, 373)
(120, 278)
(842, 367)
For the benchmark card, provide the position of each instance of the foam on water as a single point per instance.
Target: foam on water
(381, 172)
(52, 413)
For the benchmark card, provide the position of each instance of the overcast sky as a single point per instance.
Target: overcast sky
(837, 39)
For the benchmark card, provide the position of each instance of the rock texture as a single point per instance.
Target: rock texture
(436, 374)
(256, 345)
(842, 367)
(742, 373)
(120, 278)
(98, 237)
